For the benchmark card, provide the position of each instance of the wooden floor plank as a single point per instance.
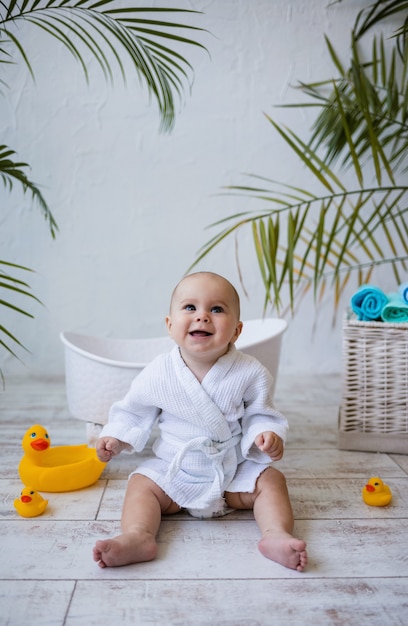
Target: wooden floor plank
(33, 603)
(351, 602)
(219, 548)
(334, 464)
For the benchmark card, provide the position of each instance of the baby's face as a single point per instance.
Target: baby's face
(204, 316)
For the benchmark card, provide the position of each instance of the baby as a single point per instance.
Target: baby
(218, 434)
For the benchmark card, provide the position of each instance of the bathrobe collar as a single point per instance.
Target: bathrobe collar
(203, 411)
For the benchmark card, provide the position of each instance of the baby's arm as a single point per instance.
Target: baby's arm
(271, 444)
(107, 447)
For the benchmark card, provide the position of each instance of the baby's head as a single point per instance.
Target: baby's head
(204, 313)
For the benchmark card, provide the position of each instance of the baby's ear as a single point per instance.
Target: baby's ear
(238, 331)
(168, 323)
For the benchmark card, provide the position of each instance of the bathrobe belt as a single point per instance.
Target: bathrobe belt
(214, 451)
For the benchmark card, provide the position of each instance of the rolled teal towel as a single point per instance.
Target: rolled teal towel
(396, 310)
(403, 291)
(368, 303)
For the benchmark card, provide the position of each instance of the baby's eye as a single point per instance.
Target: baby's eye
(189, 307)
(217, 309)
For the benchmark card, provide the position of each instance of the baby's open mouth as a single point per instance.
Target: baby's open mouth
(199, 333)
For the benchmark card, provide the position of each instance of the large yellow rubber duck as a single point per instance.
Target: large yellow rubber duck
(30, 503)
(376, 493)
(58, 468)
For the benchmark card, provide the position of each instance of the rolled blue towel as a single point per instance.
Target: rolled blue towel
(396, 309)
(403, 291)
(368, 303)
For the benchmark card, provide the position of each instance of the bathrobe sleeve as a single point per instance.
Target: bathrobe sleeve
(131, 420)
(259, 412)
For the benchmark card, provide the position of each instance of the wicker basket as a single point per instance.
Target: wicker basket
(374, 405)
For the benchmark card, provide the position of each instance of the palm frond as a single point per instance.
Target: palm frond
(13, 287)
(153, 44)
(363, 112)
(312, 240)
(379, 11)
(12, 171)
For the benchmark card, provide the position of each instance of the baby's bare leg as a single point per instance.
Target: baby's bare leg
(142, 509)
(273, 513)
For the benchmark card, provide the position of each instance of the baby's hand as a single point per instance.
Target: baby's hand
(107, 447)
(271, 444)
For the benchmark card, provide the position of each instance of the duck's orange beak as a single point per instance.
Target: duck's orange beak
(39, 444)
(370, 488)
(26, 499)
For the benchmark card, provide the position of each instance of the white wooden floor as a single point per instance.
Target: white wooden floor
(208, 572)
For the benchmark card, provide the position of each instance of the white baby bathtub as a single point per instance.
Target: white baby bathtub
(99, 371)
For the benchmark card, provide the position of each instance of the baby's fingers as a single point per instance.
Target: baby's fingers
(269, 442)
(104, 455)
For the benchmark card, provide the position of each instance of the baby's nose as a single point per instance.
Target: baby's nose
(202, 316)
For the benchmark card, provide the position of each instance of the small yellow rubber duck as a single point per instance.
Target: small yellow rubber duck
(30, 503)
(376, 493)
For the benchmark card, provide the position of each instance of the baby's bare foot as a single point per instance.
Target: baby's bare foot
(125, 549)
(284, 549)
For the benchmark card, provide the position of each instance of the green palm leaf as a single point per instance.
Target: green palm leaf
(377, 12)
(326, 236)
(12, 172)
(151, 43)
(12, 286)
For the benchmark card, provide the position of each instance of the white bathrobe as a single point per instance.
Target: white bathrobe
(207, 430)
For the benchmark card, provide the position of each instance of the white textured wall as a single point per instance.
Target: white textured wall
(132, 204)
